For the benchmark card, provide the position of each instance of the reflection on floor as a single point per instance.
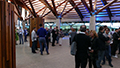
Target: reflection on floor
(59, 57)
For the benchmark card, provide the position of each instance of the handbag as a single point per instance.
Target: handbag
(73, 48)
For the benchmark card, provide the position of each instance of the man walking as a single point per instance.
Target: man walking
(21, 35)
(41, 33)
(83, 42)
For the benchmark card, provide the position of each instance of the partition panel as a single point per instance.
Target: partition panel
(7, 35)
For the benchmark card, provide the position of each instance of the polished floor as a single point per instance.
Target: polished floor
(59, 57)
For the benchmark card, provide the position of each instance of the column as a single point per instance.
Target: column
(27, 20)
(23, 15)
(58, 21)
(92, 23)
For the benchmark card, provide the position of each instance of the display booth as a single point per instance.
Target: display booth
(7, 35)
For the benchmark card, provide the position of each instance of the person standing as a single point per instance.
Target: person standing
(54, 35)
(108, 48)
(119, 42)
(47, 37)
(83, 42)
(57, 37)
(115, 43)
(21, 35)
(34, 39)
(50, 30)
(61, 35)
(16, 36)
(93, 50)
(101, 46)
(25, 34)
(41, 33)
(72, 34)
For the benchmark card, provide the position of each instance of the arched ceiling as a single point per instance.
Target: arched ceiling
(80, 9)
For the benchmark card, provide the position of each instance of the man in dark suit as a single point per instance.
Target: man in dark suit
(115, 43)
(54, 35)
(83, 42)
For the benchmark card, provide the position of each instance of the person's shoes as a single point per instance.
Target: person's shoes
(110, 65)
(48, 53)
(103, 63)
(41, 54)
(115, 56)
(60, 45)
(19, 43)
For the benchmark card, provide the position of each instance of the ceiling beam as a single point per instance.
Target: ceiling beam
(43, 11)
(86, 6)
(91, 7)
(32, 9)
(104, 7)
(64, 7)
(28, 18)
(53, 3)
(40, 10)
(56, 8)
(95, 3)
(49, 6)
(107, 9)
(71, 9)
(17, 7)
(18, 15)
(28, 8)
(76, 9)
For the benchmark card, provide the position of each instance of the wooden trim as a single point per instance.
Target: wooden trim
(32, 8)
(104, 7)
(71, 9)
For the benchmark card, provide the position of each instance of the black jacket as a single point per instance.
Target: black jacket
(101, 41)
(54, 35)
(94, 46)
(115, 38)
(83, 42)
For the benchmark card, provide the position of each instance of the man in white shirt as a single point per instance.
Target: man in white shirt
(34, 40)
(21, 31)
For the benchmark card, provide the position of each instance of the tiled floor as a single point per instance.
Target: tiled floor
(59, 57)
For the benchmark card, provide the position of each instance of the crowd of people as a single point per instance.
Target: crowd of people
(95, 47)
(45, 36)
(19, 33)
(90, 45)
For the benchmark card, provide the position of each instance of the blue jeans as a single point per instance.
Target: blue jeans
(57, 39)
(100, 57)
(42, 40)
(107, 54)
(21, 38)
(25, 39)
